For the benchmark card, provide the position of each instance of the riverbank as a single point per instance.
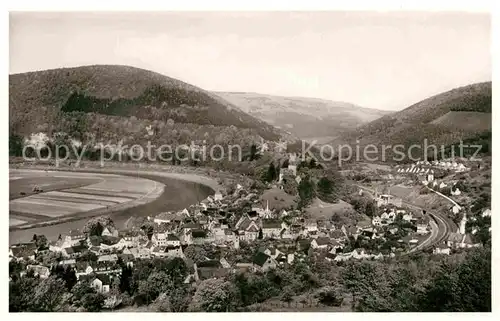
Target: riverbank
(181, 190)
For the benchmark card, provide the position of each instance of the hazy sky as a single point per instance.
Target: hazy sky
(378, 60)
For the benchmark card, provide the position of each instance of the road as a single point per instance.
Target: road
(441, 225)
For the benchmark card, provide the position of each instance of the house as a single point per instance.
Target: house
(441, 249)
(138, 252)
(25, 251)
(199, 236)
(39, 270)
(109, 232)
(218, 196)
(337, 235)
(389, 217)
(82, 269)
(174, 251)
(377, 221)
(386, 199)
(271, 228)
(172, 240)
(486, 212)
(455, 209)
(159, 239)
(456, 192)
(101, 283)
(422, 227)
(159, 251)
(457, 240)
(131, 238)
(209, 269)
(330, 256)
(74, 236)
(263, 262)
(112, 258)
(320, 243)
(359, 254)
(407, 217)
(69, 262)
(343, 257)
(350, 231)
(74, 251)
(167, 217)
(248, 230)
(272, 252)
(311, 225)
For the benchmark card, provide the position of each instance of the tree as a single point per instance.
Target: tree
(326, 190)
(214, 295)
(271, 173)
(148, 228)
(329, 296)
(177, 270)
(465, 288)
(150, 289)
(371, 209)
(21, 291)
(15, 145)
(162, 303)
(93, 302)
(48, 295)
(80, 290)
(306, 191)
(96, 225)
(253, 152)
(195, 253)
(287, 295)
(290, 185)
(40, 241)
(125, 279)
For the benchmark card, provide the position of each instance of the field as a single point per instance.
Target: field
(179, 192)
(278, 199)
(68, 193)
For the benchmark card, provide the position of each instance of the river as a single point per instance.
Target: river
(178, 194)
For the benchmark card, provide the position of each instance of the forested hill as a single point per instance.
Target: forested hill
(55, 100)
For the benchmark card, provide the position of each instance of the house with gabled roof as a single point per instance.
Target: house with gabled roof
(83, 268)
(25, 251)
(74, 236)
(441, 249)
(209, 269)
(39, 270)
(113, 258)
(271, 228)
(263, 262)
(321, 243)
(101, 283)
(108, 231)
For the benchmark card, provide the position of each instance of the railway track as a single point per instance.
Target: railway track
(441, 225)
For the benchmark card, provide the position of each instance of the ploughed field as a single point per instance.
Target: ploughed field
(173, 193)
(65, 194)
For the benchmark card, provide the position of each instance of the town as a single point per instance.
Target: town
(236, 231)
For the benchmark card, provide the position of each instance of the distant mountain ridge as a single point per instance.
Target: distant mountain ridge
(302, 116)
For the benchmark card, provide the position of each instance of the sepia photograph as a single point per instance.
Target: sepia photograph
(250, 161)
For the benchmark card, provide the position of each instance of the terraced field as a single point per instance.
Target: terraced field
(67, 193)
